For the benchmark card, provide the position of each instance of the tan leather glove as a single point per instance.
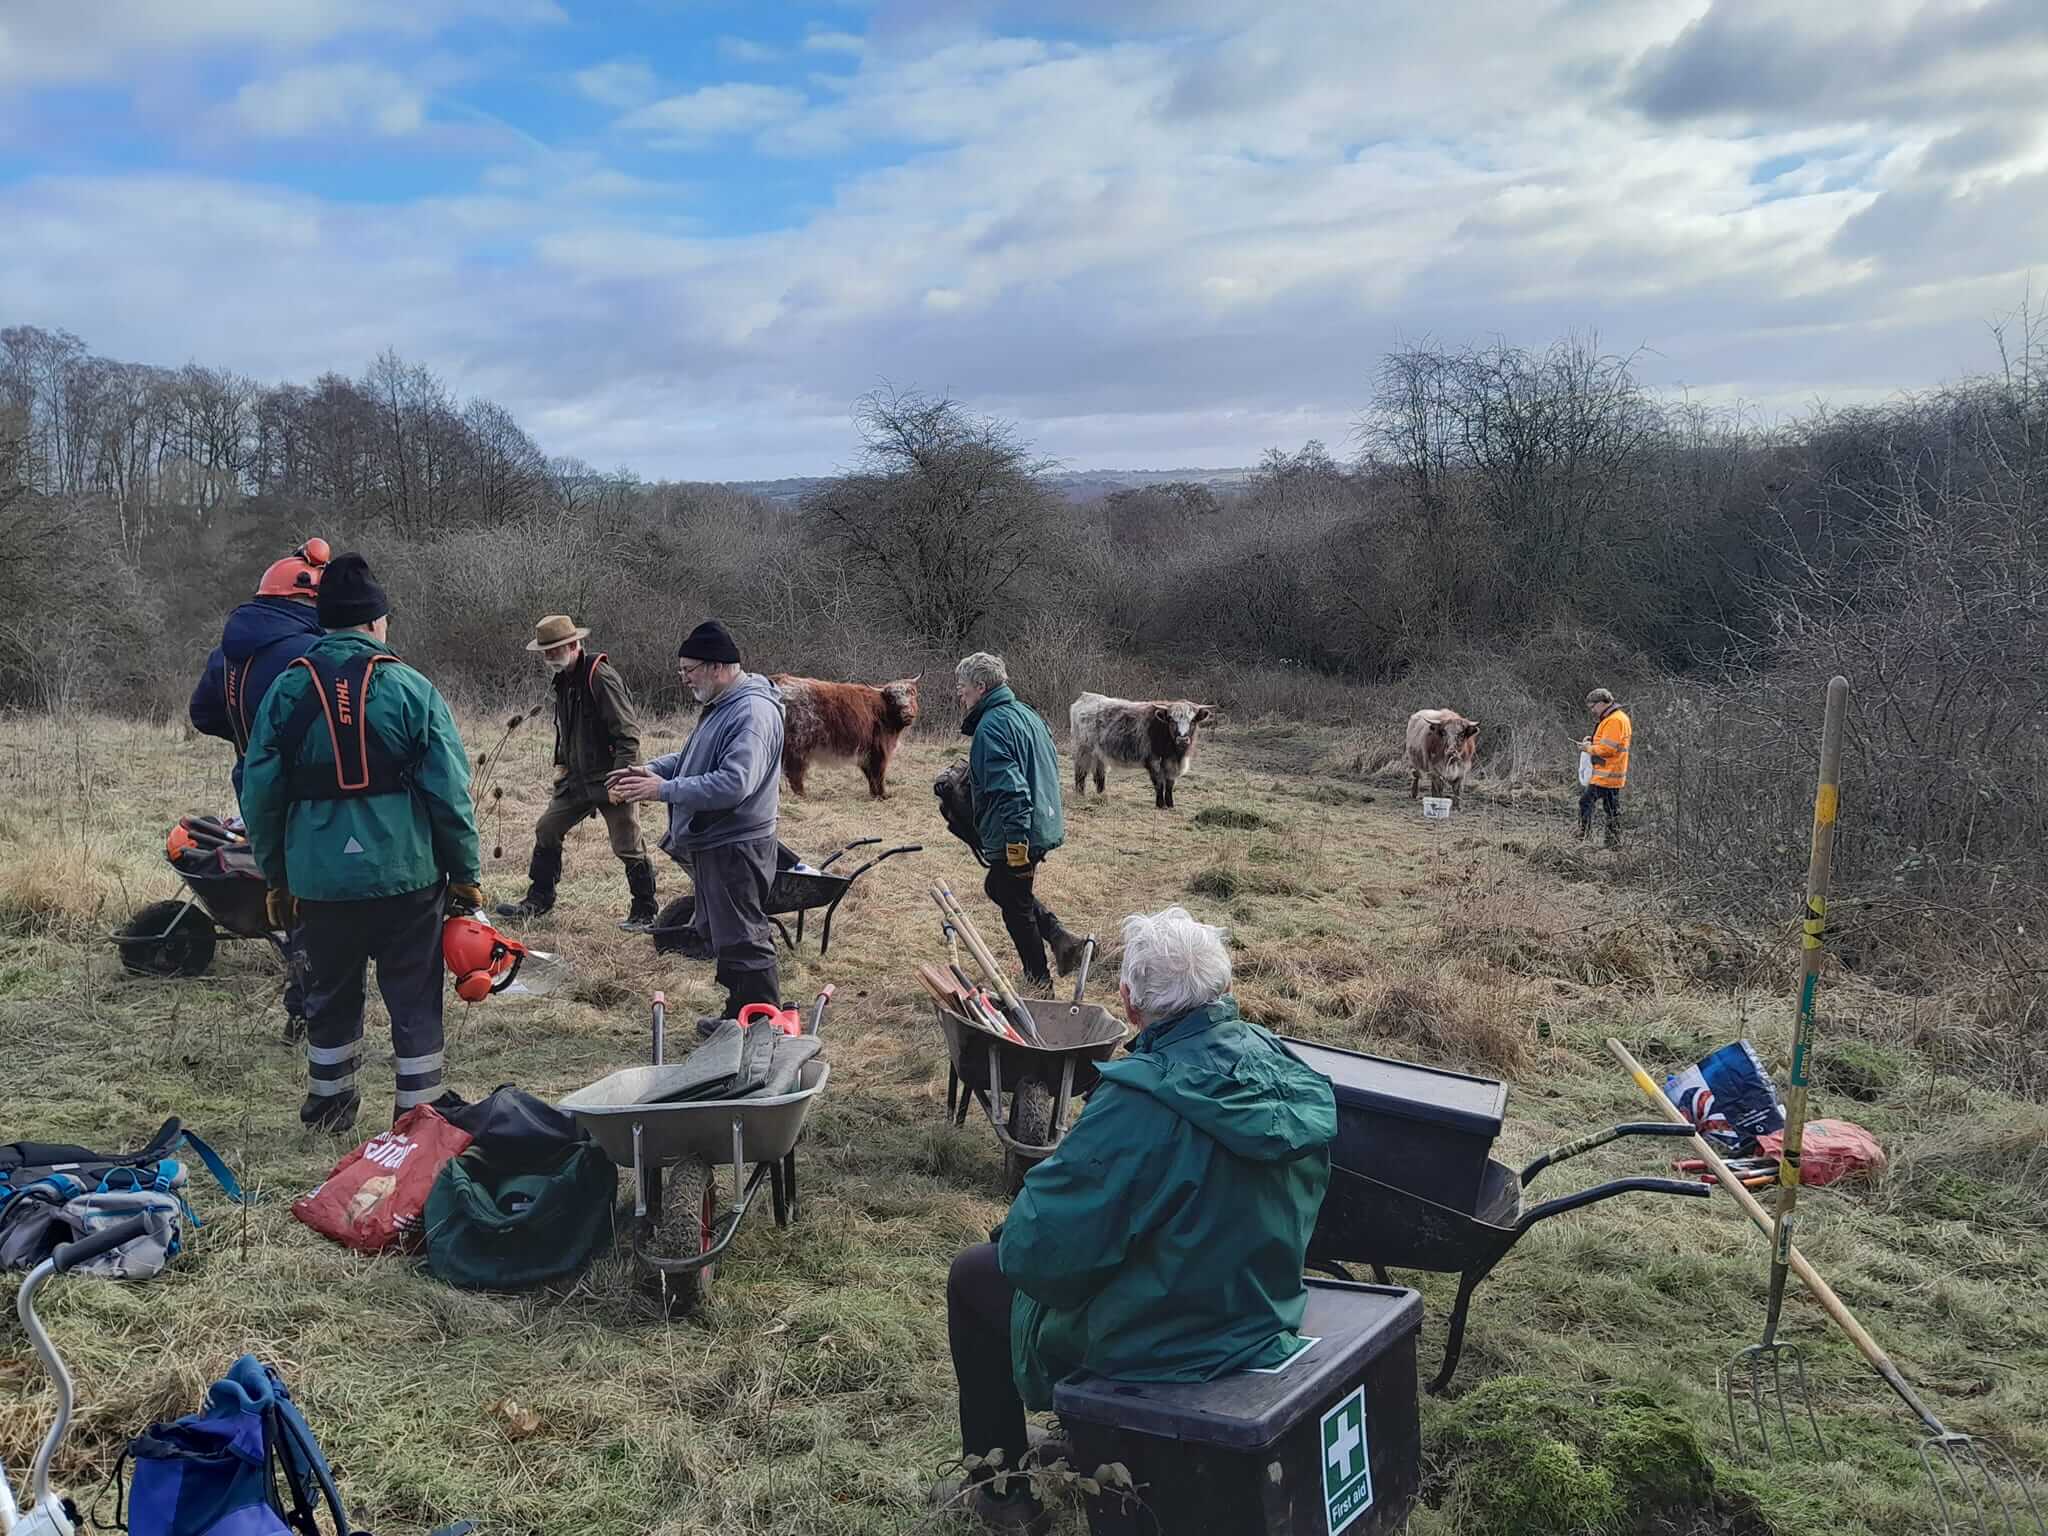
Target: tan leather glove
(280, 909)
(464, 899)
(1018, 855)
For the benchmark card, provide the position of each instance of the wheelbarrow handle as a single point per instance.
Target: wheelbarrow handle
(859, 842)
(1607, 1191)
(1600, 1138)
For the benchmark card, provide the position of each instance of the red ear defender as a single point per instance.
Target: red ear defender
(481, 959)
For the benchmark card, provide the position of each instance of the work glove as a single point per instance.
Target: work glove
(464, 899)
(280, 909)
(1017, 855)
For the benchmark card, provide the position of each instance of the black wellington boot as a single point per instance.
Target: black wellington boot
(640, 881)
(543, 873)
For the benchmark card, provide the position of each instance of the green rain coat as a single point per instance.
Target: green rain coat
(366, 846)
(1015, 771)
(1163, 1241)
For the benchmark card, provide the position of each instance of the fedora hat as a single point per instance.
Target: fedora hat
(556, 629)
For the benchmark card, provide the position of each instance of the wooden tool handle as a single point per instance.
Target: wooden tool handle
(1822, 1291)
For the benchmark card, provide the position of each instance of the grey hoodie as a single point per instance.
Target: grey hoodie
(724, 785)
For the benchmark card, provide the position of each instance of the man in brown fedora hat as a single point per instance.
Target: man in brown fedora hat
(596, 732)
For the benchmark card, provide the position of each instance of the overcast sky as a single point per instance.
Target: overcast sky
(684, 235)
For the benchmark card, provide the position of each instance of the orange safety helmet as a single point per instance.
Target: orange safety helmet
(180, 840)
(298, 573)
(481, 959)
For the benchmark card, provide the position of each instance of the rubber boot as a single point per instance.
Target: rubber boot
(640, 881)
(1066, 945)
(743, 987)
(543, 873)
(330, 1111)
(1613, 837)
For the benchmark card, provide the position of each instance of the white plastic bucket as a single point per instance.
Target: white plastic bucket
(1435, 808)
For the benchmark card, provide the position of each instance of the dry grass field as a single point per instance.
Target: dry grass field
(814, 1394)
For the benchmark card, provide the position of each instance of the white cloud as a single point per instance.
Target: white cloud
(329, 98)
(825, 41)
(745, 50)
(717, 111)
(56, 42)
(618, 83)
(1166, 249)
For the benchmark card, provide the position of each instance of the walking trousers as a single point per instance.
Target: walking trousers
(1030, 924)
(402, 936)
(571, 804)
(978, 1297)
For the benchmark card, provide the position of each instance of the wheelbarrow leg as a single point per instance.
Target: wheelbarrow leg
(1380, 1276)
(789, 1183)
(1454, 1342)
(952, 1094)
(799, 944)
(825, 933)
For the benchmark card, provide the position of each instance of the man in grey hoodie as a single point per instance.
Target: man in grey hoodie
(722, 792)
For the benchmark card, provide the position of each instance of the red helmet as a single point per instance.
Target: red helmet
(298, 573)
(180, 840)
(481, 959)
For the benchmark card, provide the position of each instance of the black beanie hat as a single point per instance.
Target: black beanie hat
(709, 641)
(349, 595)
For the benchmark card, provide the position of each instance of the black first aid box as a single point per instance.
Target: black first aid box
(1329, 1443)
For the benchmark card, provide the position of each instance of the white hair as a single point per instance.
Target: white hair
(1173, 964)
(984, 669)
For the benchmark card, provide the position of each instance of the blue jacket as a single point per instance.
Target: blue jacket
(264, 635)
(724, 787)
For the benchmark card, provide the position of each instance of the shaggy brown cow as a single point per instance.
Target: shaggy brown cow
(1440, 743)
(853, 722)
(1158, 733)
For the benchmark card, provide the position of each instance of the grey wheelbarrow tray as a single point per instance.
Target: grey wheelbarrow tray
(1040, 1079)
(650, 1137)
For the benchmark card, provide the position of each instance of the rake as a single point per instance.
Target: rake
(1982, 1473)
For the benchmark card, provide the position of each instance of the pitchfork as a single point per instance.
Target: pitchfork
(2017, 1513)
(1763, 1364)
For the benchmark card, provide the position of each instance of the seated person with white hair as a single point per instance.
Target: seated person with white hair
(1164, 1240)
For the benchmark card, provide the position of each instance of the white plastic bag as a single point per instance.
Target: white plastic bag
(1585, 769)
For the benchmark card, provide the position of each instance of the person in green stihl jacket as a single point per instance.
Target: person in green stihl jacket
(1013, 771)
(355, 791)
(1164, 1240)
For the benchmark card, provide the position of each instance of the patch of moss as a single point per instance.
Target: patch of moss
(1521, 1455)
(1857, 1070)
(1233, 817)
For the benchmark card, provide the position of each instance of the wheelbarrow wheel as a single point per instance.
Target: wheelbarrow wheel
(1030, 1121)
(689, 1206)
(167, 938)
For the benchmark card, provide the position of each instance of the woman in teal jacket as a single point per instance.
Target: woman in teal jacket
(1164, 1240)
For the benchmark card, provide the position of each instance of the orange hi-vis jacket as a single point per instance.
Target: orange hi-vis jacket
(1610, 749)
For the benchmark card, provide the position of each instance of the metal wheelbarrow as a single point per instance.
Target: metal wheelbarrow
(223, 898)
(1366, 1222)
(674, 1150)
(798, 888)
(1025, 1089)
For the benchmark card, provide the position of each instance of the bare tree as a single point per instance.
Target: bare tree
(945, 518)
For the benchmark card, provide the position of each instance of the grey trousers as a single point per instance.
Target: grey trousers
(731, 886)
(402, 934)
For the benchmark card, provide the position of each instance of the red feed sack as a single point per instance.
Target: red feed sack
(1830, 1151)
(374, 1198)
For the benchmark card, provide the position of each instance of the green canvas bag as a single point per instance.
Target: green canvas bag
(503, 1226)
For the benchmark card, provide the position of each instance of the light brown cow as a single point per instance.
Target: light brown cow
(1440, 743)
(850, 721)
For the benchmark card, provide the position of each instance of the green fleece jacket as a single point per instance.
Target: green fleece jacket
(1163, 1241)
(366, 846)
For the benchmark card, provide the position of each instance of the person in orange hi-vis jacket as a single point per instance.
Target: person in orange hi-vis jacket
(1608, 748)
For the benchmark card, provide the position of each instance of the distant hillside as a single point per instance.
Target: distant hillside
(1076, 484)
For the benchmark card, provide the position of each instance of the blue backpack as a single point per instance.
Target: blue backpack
(217, 1473)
